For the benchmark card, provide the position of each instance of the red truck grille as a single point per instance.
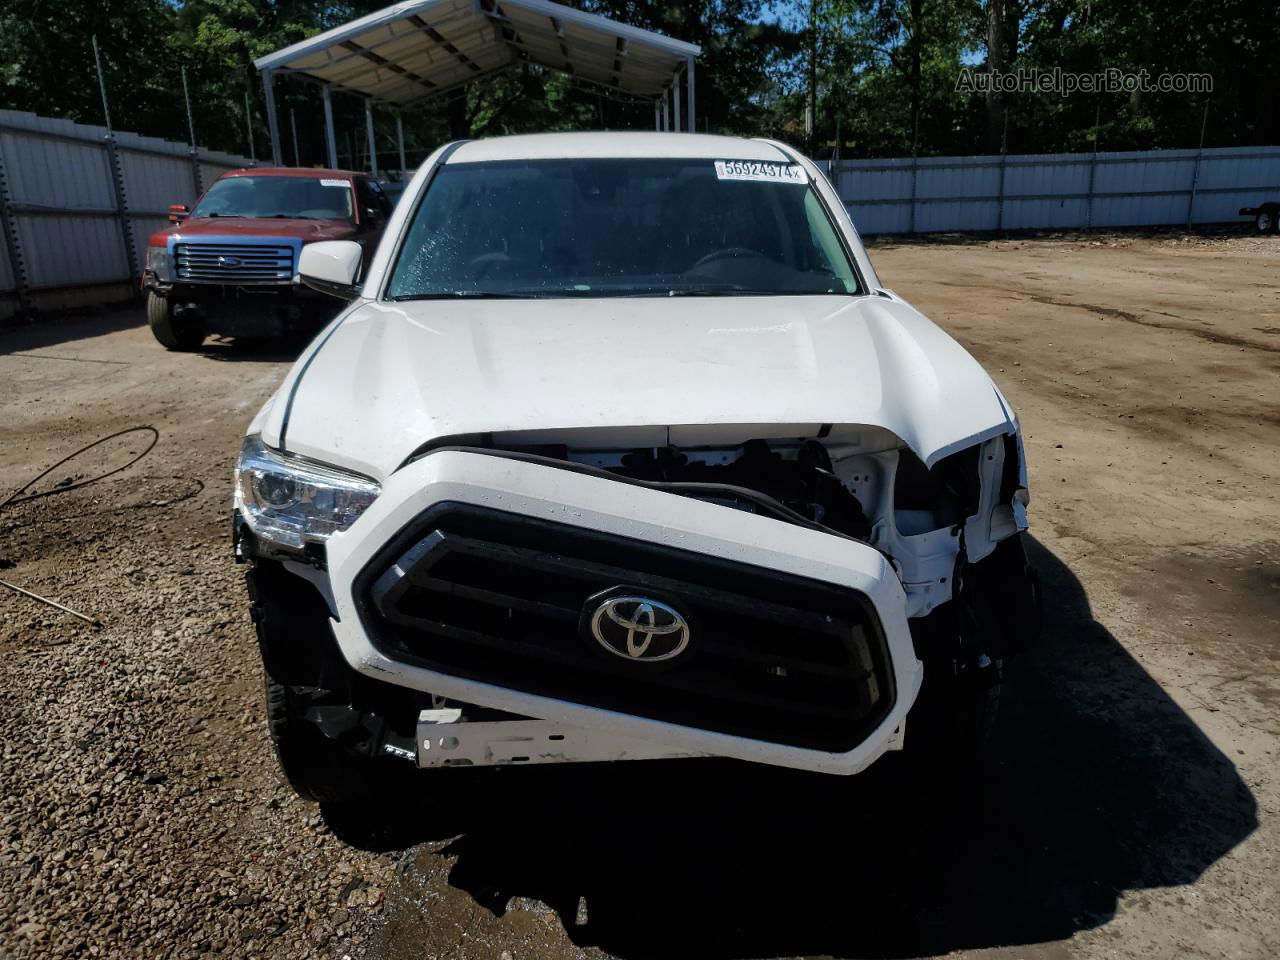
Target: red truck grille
(233, 263)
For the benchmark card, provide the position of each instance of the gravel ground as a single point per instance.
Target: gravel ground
(1127, 806)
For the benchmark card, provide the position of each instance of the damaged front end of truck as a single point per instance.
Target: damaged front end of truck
(554, 596)
(643, 462)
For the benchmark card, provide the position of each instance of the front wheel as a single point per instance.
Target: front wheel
(172, 331)
(1266, 220)
(317, 768)
(299, 668)
(953, 716)
(995, 615)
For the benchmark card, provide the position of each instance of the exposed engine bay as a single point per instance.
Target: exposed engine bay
(804, 482)
(925, 520)
(949, 531)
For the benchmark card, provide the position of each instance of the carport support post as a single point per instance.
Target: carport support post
(404, 167)
(368, 130)
(330, 143)
(273, 123)
(664, 111)
(657, 115)
(693, 125)
(675, 102)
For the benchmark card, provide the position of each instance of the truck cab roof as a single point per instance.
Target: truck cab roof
(619, 145)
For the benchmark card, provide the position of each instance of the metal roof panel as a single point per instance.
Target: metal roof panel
(403, 52)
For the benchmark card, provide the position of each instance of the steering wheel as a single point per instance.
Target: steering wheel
(726, 254)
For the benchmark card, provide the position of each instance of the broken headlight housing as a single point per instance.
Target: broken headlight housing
(291, 501)
(160, 263)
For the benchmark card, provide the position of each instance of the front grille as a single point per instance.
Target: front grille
(499, 598)
(234, 262)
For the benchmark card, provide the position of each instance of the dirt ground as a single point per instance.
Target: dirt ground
(1127, 807)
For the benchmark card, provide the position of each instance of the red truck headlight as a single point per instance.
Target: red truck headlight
(160, 263)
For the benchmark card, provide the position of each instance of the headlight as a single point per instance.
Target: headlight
(160, 263)
(290, 501)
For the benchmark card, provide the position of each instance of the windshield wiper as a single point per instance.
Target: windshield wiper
(748, 292)
(724, 292)
(539, 293)
(465, 295)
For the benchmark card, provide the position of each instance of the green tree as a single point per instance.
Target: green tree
(739, 54)
(891, 69)
(1233, 41)
(218, 40)
(47, 65)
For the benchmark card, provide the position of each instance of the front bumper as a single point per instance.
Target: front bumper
(665, 543)
(247, 309)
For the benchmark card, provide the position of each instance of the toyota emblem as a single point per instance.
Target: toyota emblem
(640, 628)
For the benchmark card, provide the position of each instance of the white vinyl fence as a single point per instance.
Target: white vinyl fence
(1057, 191)
(77, 206)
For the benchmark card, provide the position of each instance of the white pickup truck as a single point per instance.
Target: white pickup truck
(620, 450)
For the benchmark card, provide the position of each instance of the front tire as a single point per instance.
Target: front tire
(952, 717)
(1266, 220)
(172, 331)
(964, 646)
(300, 666)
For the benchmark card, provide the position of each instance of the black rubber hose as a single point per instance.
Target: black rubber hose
(16, 496)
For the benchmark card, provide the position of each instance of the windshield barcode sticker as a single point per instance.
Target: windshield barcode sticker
(334, 183)
(761, 171)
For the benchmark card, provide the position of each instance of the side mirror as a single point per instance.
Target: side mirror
(178, 212)
(331, 266)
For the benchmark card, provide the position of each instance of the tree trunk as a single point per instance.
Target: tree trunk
(917, 44)
(459, 122)
(811, 95)
(996, 63)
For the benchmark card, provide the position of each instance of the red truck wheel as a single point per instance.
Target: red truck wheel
(173, 332)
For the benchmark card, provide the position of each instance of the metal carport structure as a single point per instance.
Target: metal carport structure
(410, 52)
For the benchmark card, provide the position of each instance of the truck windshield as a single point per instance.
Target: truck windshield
(600, 228)
(302, 198)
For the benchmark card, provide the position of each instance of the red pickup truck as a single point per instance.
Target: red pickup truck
(230, 265)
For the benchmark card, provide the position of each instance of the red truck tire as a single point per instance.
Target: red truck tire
(172, 331)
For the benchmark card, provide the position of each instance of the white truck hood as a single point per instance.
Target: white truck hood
(390, 377)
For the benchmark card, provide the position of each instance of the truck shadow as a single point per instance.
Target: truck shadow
(67, 326)
(253, 349)
(82, 327)
(1096, 782)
